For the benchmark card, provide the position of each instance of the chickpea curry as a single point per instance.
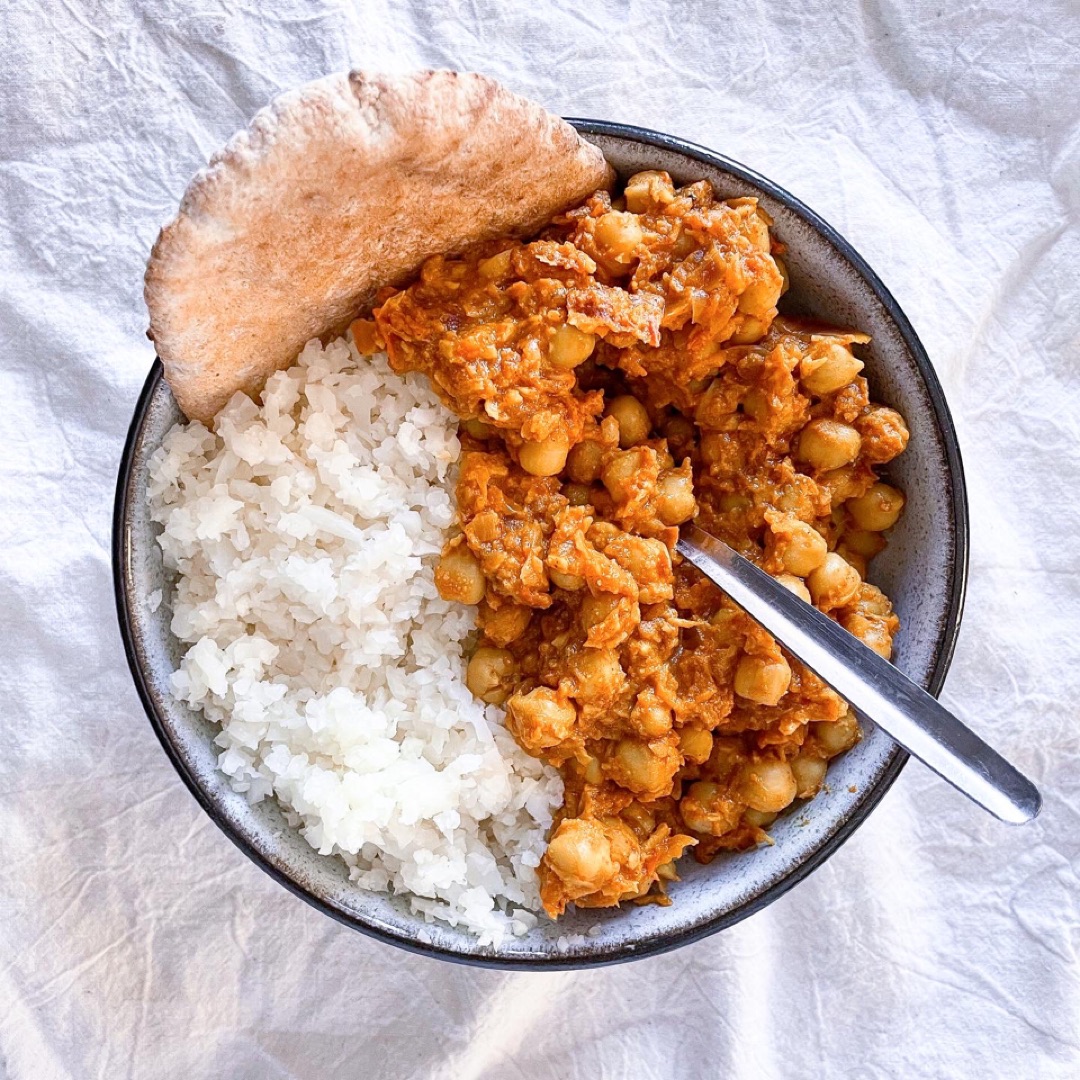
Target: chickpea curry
(621, 374)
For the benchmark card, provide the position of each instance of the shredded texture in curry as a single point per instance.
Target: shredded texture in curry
(621, 374)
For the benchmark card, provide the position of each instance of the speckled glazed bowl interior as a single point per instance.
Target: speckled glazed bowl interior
(922, 570)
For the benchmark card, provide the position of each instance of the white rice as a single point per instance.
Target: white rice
(303, 535)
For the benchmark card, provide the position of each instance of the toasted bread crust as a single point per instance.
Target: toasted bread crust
(334, 190)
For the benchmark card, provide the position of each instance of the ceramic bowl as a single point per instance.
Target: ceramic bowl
(923, 570)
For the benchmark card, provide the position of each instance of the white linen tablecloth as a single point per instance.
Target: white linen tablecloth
(944, 141)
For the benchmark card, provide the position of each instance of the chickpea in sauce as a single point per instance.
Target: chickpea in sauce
(621, 374)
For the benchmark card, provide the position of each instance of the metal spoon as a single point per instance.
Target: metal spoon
(871, 685)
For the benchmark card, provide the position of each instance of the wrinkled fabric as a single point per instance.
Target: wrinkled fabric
(135, 941)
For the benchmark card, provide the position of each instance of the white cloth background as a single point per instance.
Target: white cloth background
(135, 941)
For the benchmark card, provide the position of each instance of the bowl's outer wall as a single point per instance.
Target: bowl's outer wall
(924, 571)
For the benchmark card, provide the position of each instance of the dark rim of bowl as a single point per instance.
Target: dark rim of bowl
(660, 943)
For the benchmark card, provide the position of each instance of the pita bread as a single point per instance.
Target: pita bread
(337, 188)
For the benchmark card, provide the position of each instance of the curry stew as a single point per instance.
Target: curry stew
(621, 374)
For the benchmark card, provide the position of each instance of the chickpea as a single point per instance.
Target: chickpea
(478, 429)
(833, 583)
(593, 772)
(685, 243)
(651, 717)
(507, 624)
(569, 582)
(836, 736)
(595, 609)
(717, 448)
(580, 855)
(756, 225)
(809, 773)
(801, 547)
(727, 755)
(695, 804)
(758, 819)
(796, 585)
(695, 744)
(489, 675)
(640, 819)
(648, 190)
(578, 494)
(884, 434)
(679, 433)
(870, 632)
(497, 266)
(620, 474)
(459, 576)
(619, 233)
(828, 444)
(761, 295)
(842, 484)
(751, 329)
(602, 533)
(831, 370)
(705, 809)
(570, 347)
(632, 418)
(733, 503)
(756, 404)
(625, 848)
(637, 767)
(584, 462)
(540, 719)
(767, 785)
(798, 497)
(867, 544)
(675, 502)
(648, 560)
(598, 674)
(727, 621)
(784, 275)
(762, 680)
(546, 458)
(854, 560)
(878, 509)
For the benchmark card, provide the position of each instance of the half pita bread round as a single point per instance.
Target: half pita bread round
(336, 189)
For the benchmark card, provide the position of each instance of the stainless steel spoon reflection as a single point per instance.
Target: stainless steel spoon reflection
(871, 685)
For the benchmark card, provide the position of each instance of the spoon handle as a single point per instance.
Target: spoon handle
(871, 685)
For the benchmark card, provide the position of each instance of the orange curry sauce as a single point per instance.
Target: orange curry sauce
(621, 374)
